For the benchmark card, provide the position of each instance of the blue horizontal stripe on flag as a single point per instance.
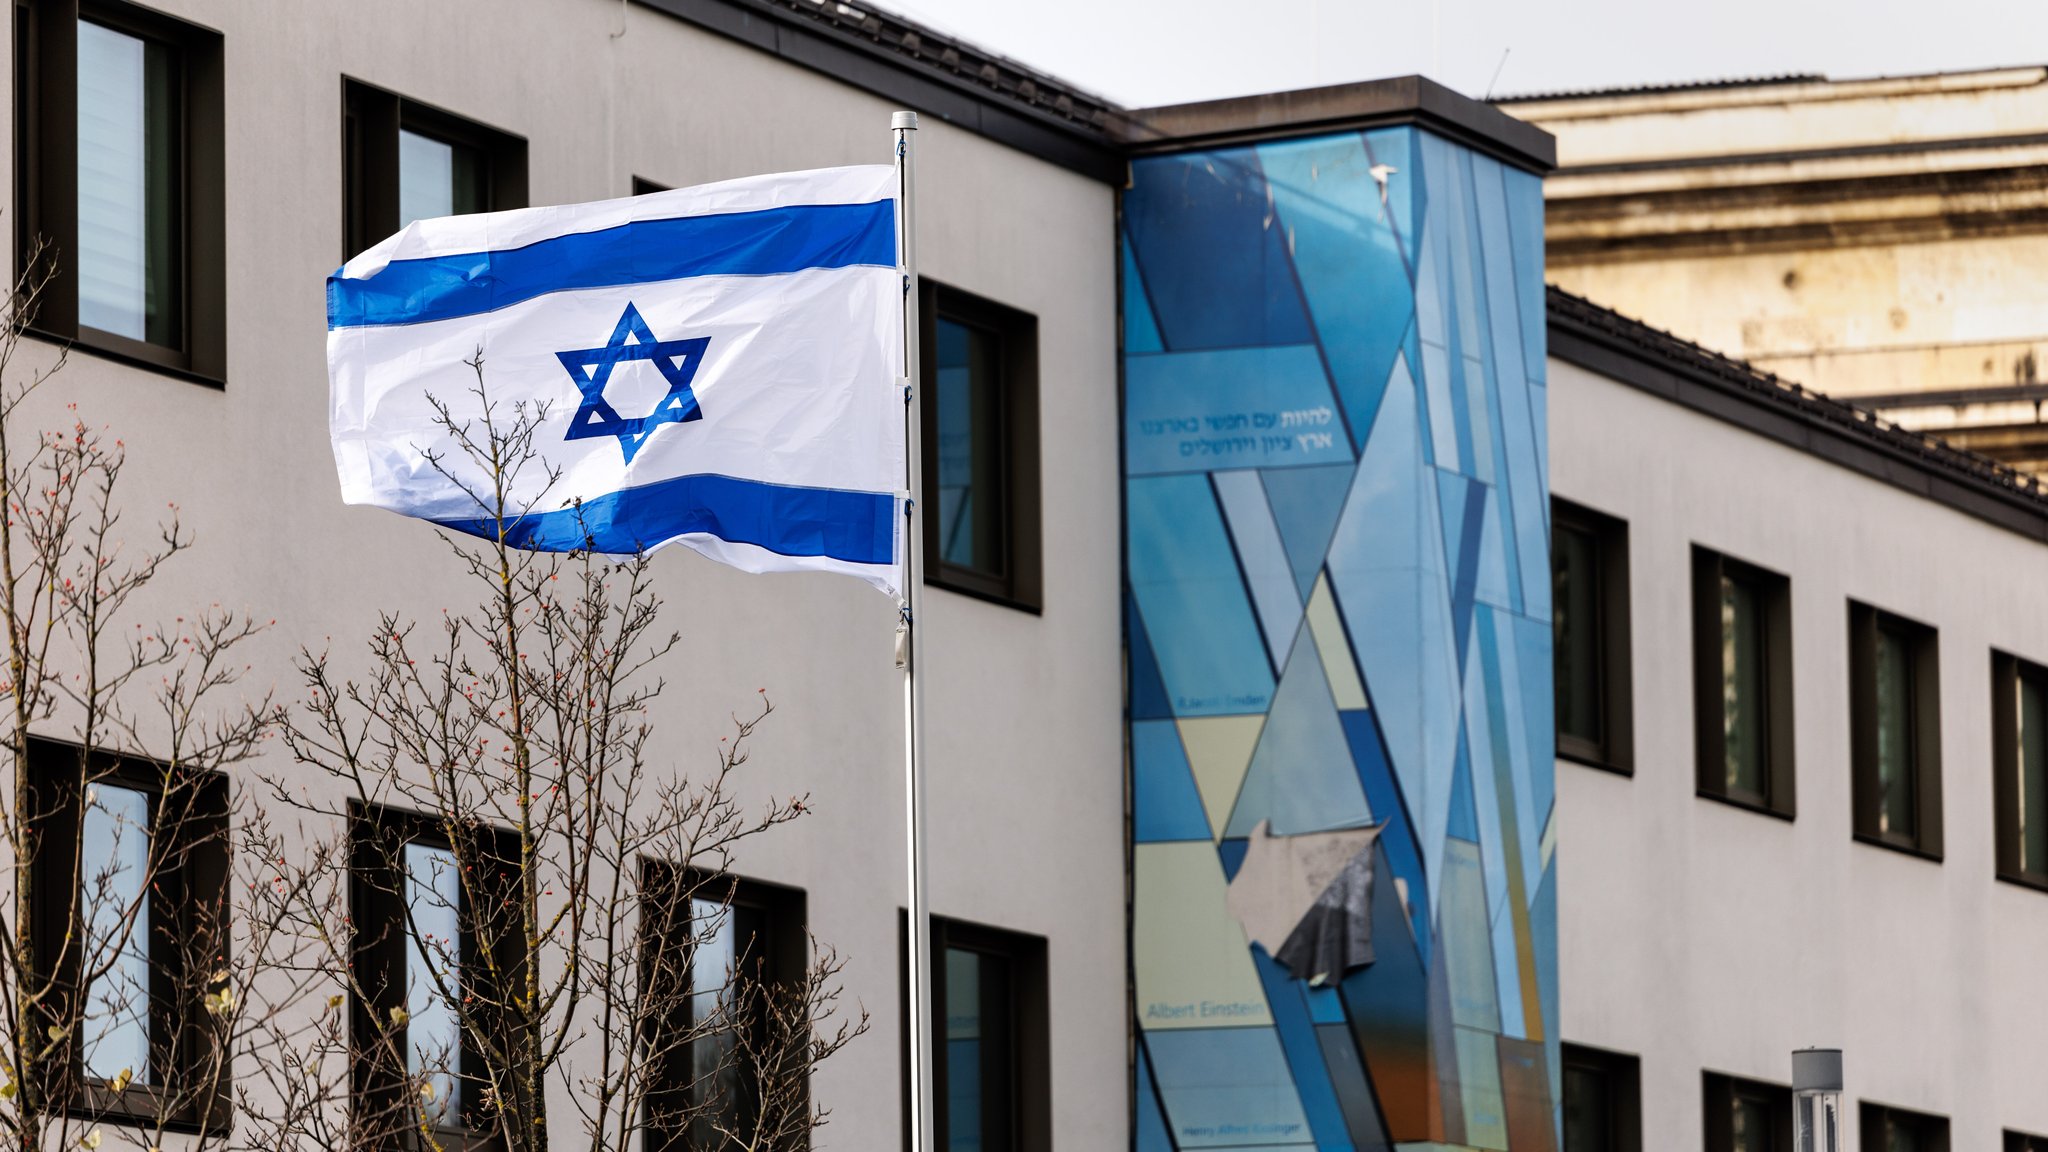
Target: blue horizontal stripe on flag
(856, 527)
(764, 243)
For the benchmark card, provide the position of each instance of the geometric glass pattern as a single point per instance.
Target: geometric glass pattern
(1338, 611)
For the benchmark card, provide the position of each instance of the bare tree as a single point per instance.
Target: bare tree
(526, 905)
(133, 923)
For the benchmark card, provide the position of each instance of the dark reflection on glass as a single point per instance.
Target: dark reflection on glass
(963, 1050)
(1575, 623)
(1586, 1107)
(1896, 801)
(1751, 1124)
(970, 454)
(2033, 747)
(1742, 688)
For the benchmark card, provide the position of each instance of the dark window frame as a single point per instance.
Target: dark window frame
(1780, 772)
(194, 876)
(1615, 750)
(378, 951)
(2016, 1141)
(1875, 1121)
(371, 120)
(1624, 1075)
(786, 959)
(1029, 1010)
(46, 179)
(1718, 1093)
(1021, 584)
(1866, 624)
(2007, 671)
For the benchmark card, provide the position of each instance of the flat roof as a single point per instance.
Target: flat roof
(1337, 108)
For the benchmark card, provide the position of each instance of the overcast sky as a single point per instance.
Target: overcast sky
(1147, 52)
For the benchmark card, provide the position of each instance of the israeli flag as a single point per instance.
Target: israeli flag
(717, 367)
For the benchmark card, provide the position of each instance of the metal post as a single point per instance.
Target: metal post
(1817, 1100)
(919, 1017)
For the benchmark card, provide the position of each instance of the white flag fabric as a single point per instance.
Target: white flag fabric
(718, 367)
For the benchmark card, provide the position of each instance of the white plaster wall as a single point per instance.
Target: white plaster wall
(1705, 937)
(1024, 737)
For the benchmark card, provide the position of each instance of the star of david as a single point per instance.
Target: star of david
(591, 368)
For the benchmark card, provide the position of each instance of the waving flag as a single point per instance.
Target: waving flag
(715, 367)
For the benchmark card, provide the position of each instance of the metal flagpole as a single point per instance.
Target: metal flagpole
(910, 649)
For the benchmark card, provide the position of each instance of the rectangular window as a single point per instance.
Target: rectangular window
(2019, 751)
(1746, 1115)
(1895, 730)
(991, 1080)
(128, 909)
(980, 447)
(1742, 683)
(1887, 1129)
(421, 936)
(1590, 626)
(1602, 1101)
(710, 945)
(406, 161)
(119, 169)
(2022, 1142)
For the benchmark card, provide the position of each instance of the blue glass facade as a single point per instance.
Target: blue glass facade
(1345, 928)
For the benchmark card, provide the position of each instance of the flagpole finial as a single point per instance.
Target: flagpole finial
(898, 120)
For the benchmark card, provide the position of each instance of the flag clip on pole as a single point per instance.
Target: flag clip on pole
(910, 648)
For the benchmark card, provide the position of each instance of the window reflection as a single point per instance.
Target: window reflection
(436, 178)
(728, 944)
(1895, 814)
(113, 872)
(971, 509)
(1742, 688)
(963, 1050)
(1586, 1110)
(2033, 769)
(1575, 622)
(127, 179)
(1751, 1124)
(433, 974)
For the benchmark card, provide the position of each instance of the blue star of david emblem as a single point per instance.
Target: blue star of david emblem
(591, 368)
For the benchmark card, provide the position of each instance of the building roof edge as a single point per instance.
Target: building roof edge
(936, 74)
(1631, 352)
(1335, 108)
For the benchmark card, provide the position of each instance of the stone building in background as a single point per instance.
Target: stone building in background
(1881, 240)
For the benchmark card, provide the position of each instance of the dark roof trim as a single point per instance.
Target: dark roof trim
(926, 71)
(1663, 89)
(1044, 116)
(1605, 342)
(1336, 108)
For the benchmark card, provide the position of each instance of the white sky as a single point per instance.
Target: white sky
(1147, 52)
